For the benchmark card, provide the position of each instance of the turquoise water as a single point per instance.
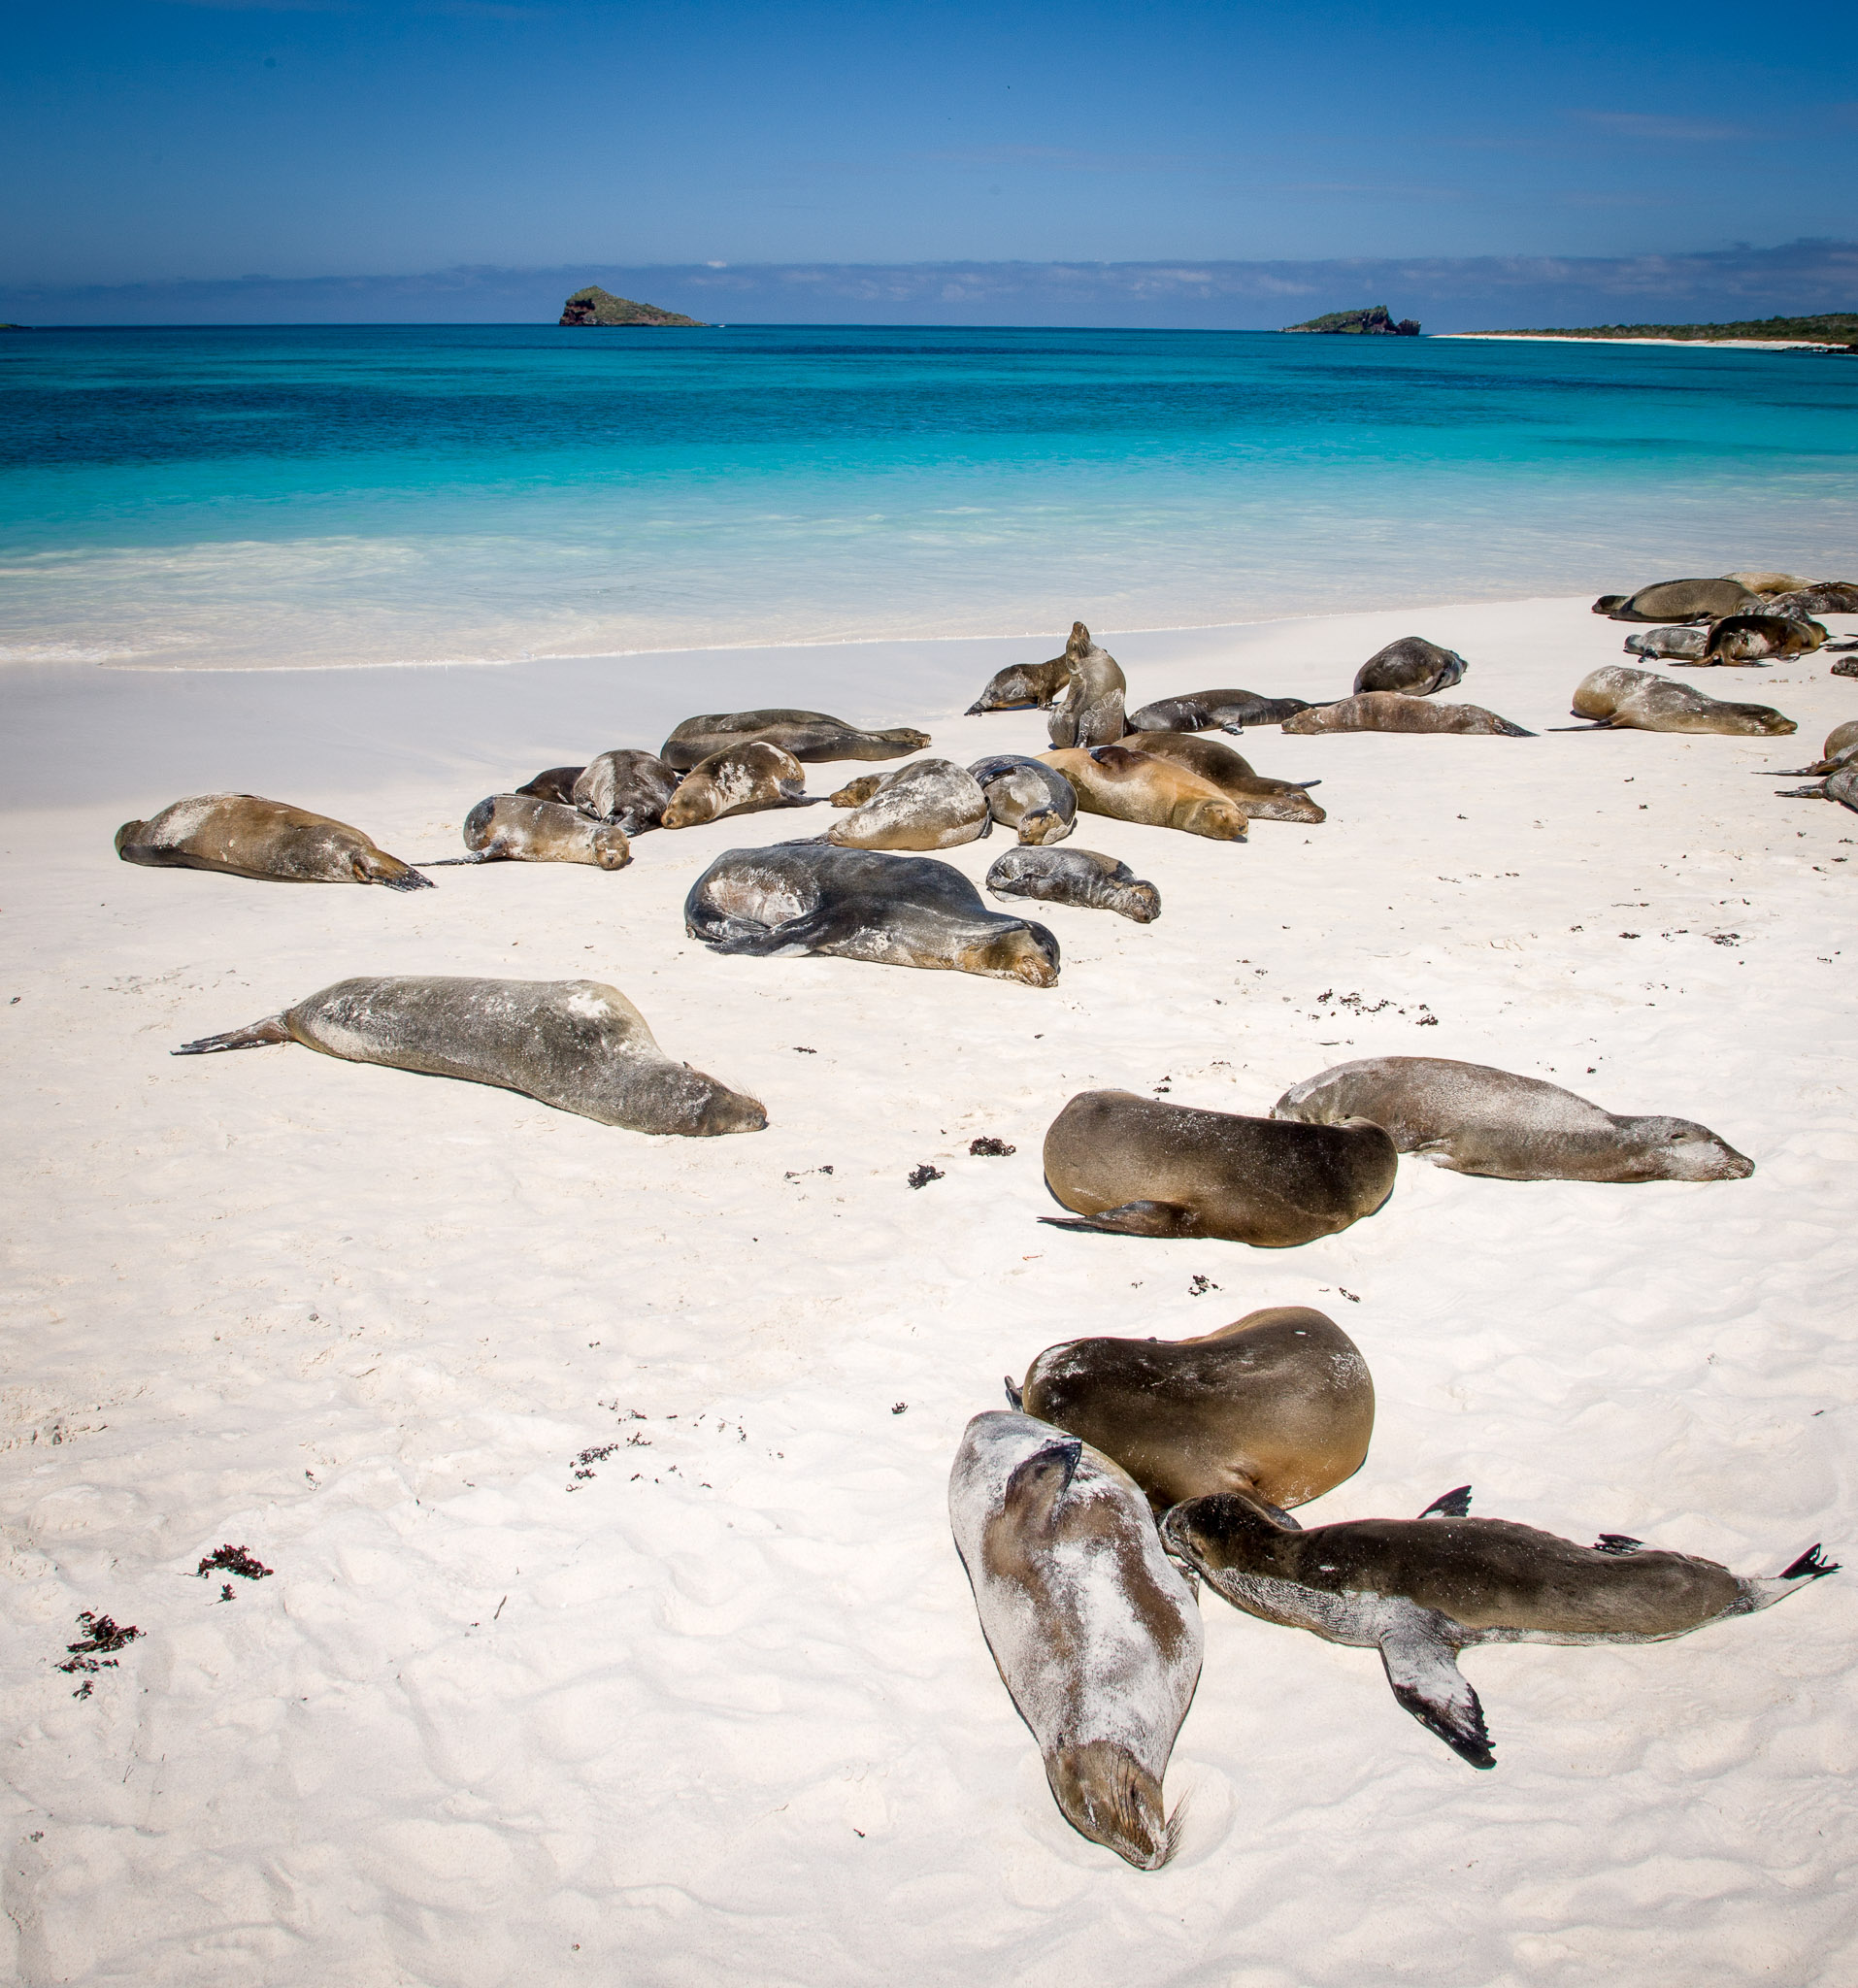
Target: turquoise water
(276, 496)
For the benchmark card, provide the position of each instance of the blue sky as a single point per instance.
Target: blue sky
(151, 140)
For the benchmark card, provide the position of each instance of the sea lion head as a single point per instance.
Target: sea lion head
(130, 832)
(1041, 825)
(1021, 951)
(1223, 821)
(1107, 1795)
(376, 866)
(610, 849)
(855, 793)
(1141, 902)
(708, 1110)
(1227, 1531)
(1679, 1149)
(905, 738)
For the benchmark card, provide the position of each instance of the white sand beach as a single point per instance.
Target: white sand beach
(1720, 345)
(615, 1631)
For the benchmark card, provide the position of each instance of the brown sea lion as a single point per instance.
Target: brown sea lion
(1034, 800)
(1204, 711)
(1637, 700)
(1079, 878)
(243, 835)
(1679, 600)
(1130, 786)
(1817, 597)
(855, 793)
(1392, 711)
(741, 780)
(518, 828)
(1091, 713)
(808, 735)
(1412, 666)
(1025, 686)
(1752, 639)
(553, 783)
(1219, 765)
(930, 803)
(628, 786)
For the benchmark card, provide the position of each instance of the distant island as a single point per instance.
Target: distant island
(595, 306)
(1832, 328)
(1372, 322)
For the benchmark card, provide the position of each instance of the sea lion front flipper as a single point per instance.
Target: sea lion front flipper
(1133, 1218)
(261, 1033)
(1454, 1503)
(1422, 1668)
(1617, 1542)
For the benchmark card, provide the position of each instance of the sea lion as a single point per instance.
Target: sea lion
(1755, 638)
(1815, 598)
(553, 783)
(1025, 686)
(1682, 644)
(930, 803)
(1221, 766)
(1637, 700)
(518, 828)
(745, 779)
(1679, 600)
(1841, 785)
(1028, 796)
(628, 786)
(1131, 787)
(1473, 1119)
(855, 793)
(1412, 666)
(1203, 711)
(1134, 1166)
(577, 1045)
(1095, 1635)
(1091, 713)
(1392, 711)
(1839, 749)
(1421, 1590)
(857, 903)
(1278, 1404)
(1075, 876)
(808, 735)
(245, 835)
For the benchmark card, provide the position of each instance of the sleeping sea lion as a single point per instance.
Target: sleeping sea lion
(553, 783)
(855, 793)
(930, 803)
(1477, 1120)
(1221, 766)
(1679, 600)
(1134, 1166)
(1637, 700)
(1755, 637)
(1841, 785)
(1391, 711)
(1092, 710)
(1768, 583)
(628, 786)
(1815, 598)
(1278, 1404)
(1131, 787)
(1681, 644)
(245, 835)
(1412, 666)
(1421, 1590)
(517, 828)
(1075, 876)
(1095, 1633)
(1028, 796)
(746, 779)
(1202, 711)
(857, 903)
(808, 735)
(1025, 686)
(575, 1044)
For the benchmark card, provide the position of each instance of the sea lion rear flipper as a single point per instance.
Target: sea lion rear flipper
(271, 1030)
(1016, 1400)
(1811, 1565)
(1239, 732)
(1455, 1504)
(1817, 793)
(749, 936)
(451, 862)
(1422, 1668)
(1133, 1218)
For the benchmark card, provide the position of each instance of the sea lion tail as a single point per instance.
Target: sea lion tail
(261, 1033)
(1133, 1218)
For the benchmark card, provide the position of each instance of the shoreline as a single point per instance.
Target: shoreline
(1718, 345)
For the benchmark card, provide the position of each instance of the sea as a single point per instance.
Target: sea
(353, 496)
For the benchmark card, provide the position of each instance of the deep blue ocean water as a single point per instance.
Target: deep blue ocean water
(285, 495)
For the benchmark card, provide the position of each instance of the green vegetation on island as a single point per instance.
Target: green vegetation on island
(1374, 322)
(595, 306)
(1832, 328)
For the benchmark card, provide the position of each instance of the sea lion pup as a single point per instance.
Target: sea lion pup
(1278, 1404)
(1839, 749)
(855, 793)
(930, 803)
(1412, 666)
(1028, 796)
(1679, 600)
(1421, 1590)
(1841, 785)
(1221, 766)
(628, 786)
(857, 903)
(1092, 710)
(1204, 711)
(1636, 700)
(1133, 1165)
(1131, 787)
(741, 780)
(577, 1045)
(1473, 1119)
(1095, 1635)
(808, 735)
(245, 835)
(517, 828)
(1392, 711)
(1025, 686)
(1075, 876)
(553, 783)
(1681, 644)
(1755, 637)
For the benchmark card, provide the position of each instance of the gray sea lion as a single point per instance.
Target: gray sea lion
(1025, 686)
(553, 783)
(1091, 713)
(746, 778)
(1421, 1590)
(1391, 711)
(858, 903)
(1134, 1166)
(1841, 785)
(1075, 876)
(1213, 761)
(518, 828)
(1203, 711)
(1095, 1635)
(808, 735)
(1637, 700)
(1279, 1403)
(1412, 666)
(1815, 598)
(245, 835)
(1473, 1119)
(577, 1045)
(1679, 600)
(1131, 787)
(1682, 644)
(1028, 796)
(930, 803)
(628, 786)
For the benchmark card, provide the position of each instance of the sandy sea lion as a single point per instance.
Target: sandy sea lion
(1392, 711)
(1203, 711)
(1025, 686)
(1130, 786)
(1421, 1590)
(1679, 600)
(553, 783)
(808, 735)
(1841, 785)
(858, 903)
(1091, 713)
(1095, 1635)
(1080, 877)
(1412, 666)
(741, 780)
(1028, 796)
(628, 786)
(1221, 766)
(1477, 1120)
(245, 835)
(1279, 1403)
(575, 1044)
(1134, 1166)
(518, 828)
(930, 803)
(1637, 700)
